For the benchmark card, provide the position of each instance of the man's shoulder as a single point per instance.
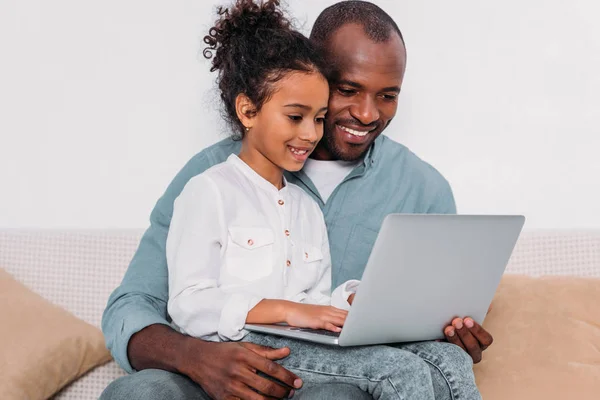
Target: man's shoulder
(397, 157)
(207, 158)
(214, 154)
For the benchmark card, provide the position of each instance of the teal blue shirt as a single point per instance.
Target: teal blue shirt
(391, 179)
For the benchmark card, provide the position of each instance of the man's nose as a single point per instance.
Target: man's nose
(365, 110)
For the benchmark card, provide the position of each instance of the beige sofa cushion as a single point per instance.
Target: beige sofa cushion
(546, 340)
(42, 346)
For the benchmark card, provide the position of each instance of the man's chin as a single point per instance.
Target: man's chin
(350, 152)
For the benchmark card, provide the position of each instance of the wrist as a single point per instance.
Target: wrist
(288, 310)
(190, 355)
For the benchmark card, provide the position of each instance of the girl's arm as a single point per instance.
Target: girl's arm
(297, 314)
(196, 304)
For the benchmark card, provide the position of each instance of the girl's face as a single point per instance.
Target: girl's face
(290, 124)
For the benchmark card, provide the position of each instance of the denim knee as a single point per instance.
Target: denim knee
(455, 357)
(152, 384)
(410, 376)
(332, 391)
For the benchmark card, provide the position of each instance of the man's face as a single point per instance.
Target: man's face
(363, 92)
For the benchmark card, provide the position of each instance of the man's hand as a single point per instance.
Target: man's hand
(470, 336)
(224, 370)
(229, 370)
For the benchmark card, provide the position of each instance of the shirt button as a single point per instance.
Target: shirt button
(287, 233)
(288, 263)
(250, 242)
(281, 202)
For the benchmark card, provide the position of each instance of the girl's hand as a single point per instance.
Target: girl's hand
(351, 298)
(315, 317)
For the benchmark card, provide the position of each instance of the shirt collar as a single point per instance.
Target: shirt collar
(255, 178)
(371, 157)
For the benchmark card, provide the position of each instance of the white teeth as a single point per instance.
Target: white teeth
(353, 132)
(298, 152)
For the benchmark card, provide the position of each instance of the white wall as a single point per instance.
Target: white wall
(101, 103)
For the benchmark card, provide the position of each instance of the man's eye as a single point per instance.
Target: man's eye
(346, 92)
(390, 97)
(295, 118)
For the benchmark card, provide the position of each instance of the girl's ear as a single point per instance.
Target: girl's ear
(245, 110)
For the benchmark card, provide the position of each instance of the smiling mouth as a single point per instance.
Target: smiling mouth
(354, 131)
(298, 152)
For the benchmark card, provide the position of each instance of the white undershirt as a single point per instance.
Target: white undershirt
(327, 175)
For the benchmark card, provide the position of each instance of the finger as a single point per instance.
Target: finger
(452, 337)
(484, 338)
(243, 392)
(331, 327)
(264, 386)
(468, 340)
(267, 352)
(273, 370)
(338, 313)
(337, 321)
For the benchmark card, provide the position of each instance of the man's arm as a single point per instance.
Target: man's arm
(139, 335)
(141, 299)
(223, 370)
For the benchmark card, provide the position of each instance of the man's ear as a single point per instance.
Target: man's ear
(245, 110)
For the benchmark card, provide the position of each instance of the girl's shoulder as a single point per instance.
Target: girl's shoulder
(304, 199)
(211, 177)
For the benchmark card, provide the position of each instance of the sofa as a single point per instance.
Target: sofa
(77, 270)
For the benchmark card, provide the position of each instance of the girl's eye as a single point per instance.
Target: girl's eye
(295, 118)
(320, 120)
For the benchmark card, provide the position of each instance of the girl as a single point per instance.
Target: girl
(245, 246)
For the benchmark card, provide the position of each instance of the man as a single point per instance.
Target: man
(356, 175)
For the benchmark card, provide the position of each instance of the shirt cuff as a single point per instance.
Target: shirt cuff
(339, 297)
(234, 314)
(125, 328)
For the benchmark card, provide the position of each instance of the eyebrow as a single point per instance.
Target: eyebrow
(304, 107)
(359, 86)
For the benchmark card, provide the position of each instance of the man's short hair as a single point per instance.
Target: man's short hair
(378, 25)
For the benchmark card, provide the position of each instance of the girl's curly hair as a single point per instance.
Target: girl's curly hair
(253, 45)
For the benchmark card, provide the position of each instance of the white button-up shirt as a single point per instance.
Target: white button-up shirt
(234, 240)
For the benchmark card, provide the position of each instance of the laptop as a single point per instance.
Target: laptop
(423, 271)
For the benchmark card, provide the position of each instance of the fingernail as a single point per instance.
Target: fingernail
(292, 393)
(298, 383)
(450, 332)
(469, 323)
(458, 324)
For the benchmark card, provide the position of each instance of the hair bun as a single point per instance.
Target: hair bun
(245, 19)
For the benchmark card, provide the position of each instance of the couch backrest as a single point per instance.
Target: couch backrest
(78, 270)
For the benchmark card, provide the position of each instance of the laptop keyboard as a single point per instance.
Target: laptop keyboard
(317, 331)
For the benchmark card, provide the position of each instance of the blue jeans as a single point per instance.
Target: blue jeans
(426, 370)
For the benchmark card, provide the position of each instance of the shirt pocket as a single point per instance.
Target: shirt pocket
(249, 254)
(307, 270)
